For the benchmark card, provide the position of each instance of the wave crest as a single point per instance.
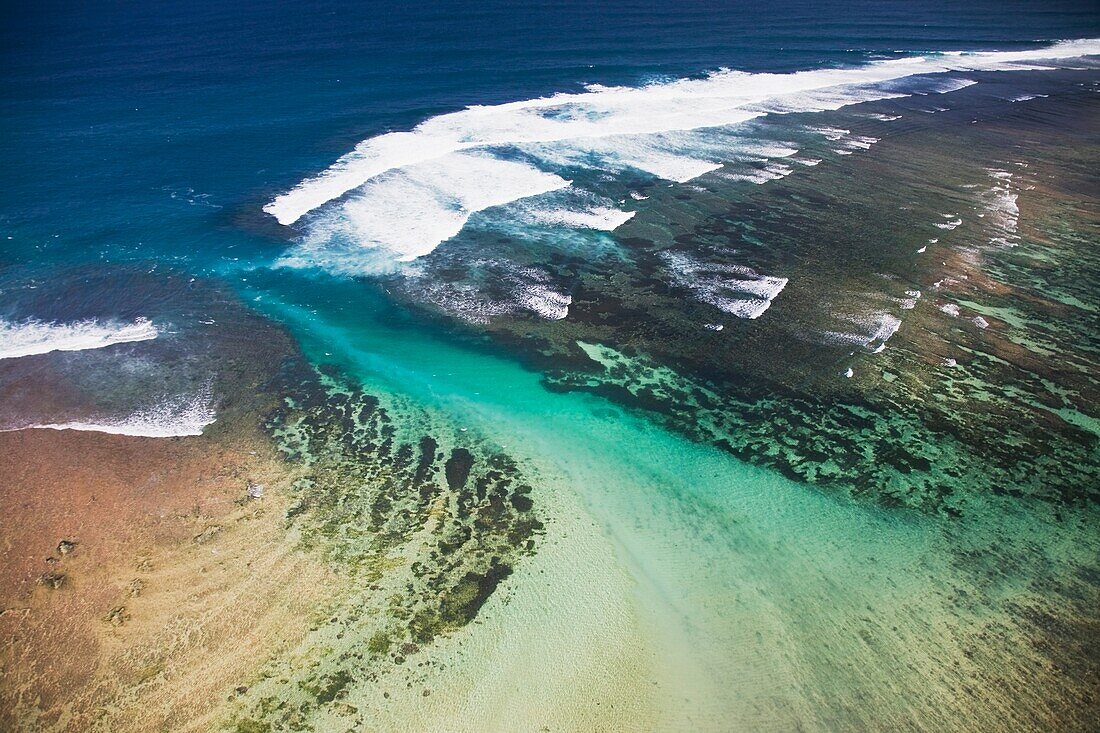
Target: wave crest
(31, 337)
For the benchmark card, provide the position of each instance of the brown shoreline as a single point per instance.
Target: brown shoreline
(172, 585)
(161, 596)
(146, 588)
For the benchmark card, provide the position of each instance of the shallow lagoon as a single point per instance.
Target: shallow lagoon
(867, 501)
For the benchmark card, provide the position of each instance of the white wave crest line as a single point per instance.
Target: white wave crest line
(530, 289)
(407, 213)
(1001, 205)
(32, 337)
(601, 218)
(720, 99)
(172, 417)
(463, 301)
(725, 286)
(874, 330)
(533, 290)
(770, 172)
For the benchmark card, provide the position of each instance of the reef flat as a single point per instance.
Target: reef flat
(550, 367)
(961, 237)
(308, 543)
(422, 521)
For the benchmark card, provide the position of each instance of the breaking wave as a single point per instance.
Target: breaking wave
(168, 417)
(739, 291)
(30, 337)
(401, 194)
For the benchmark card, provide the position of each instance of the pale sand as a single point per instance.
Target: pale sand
(559, 647)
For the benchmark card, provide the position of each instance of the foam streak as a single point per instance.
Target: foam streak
(31, 337)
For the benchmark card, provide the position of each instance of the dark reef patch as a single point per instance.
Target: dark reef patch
(988, 385)
(421, 521)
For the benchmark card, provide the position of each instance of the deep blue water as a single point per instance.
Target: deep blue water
(157, 130)
(140, 142)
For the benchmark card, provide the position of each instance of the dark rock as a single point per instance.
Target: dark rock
(52, 580)
(458, 468)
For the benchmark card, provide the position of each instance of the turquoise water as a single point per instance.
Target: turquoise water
(762, 605)
(163, 162)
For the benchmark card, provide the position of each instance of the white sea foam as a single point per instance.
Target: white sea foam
(861, 142)
(412, 190)
(1001, 206)
(603, 218)
(830, 133)
(1026, 97)
(170, 417)
(463, 301)
(943, 86)
(869, 330)
(950, 224)
(408, 212)
(528, 289)
(769, 172)
(885, 327)
(26, 338)
(673, 155)
(543, 300)
(739, 291)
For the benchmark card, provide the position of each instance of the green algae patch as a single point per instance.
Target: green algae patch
(460, 604)
(251, 726)
(327, 688)
(379, 643)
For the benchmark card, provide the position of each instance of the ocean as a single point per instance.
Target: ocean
(780, 317)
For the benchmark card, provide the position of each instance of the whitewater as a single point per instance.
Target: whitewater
(32, 337)
(169, 416)
(404, 193)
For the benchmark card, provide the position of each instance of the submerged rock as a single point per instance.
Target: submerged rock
(422, 520)
(458, 468)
